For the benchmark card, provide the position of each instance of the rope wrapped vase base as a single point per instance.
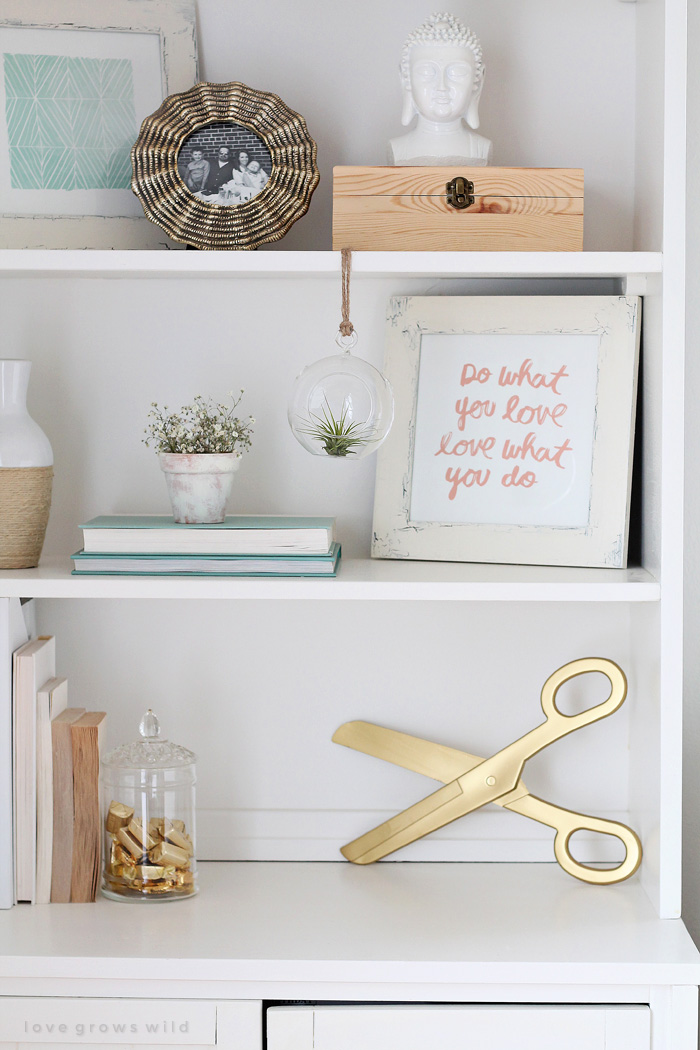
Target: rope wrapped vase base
(25, 501)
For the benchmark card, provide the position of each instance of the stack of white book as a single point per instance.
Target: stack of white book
(241, 545)
(56, 815)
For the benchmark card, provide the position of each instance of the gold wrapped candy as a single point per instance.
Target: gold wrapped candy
(166, 853)
(153, 859)
(130, 843)
(141, 834)
(118, 816)
(149, 872)
(179, 839)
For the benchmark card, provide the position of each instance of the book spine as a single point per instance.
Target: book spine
(24, 747)
(62, 847)
(44, 801)
(7, 875)
(85, 868)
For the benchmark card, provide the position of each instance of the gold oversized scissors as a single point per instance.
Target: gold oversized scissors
(471, 782)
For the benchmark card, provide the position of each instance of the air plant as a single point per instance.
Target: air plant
(339, 436)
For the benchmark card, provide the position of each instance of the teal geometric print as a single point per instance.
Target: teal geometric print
(70, 122)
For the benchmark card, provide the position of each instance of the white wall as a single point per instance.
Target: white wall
(559, 90)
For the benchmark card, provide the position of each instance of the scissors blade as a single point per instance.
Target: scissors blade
(438, 809)
(411, 752)
(433, 760)
(469, 792)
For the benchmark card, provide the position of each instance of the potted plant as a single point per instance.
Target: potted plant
(199, 449)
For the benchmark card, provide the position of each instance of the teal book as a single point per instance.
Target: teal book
(85, 563)
(237, 534)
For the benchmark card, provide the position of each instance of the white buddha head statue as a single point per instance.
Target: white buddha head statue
(442, 72)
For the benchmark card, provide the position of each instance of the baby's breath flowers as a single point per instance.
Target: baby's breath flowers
(202, 427)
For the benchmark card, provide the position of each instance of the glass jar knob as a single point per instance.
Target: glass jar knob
(149, 726)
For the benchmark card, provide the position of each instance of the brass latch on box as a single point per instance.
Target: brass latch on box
(460, 193)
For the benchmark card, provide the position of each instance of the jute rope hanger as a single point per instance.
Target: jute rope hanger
(346, 325)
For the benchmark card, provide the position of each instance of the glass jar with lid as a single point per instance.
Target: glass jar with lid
(148, 790)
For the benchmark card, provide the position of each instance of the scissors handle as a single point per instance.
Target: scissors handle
(565, 822)
(508, 763)
(568, 723)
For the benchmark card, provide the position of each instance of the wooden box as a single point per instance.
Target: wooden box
(407, 209)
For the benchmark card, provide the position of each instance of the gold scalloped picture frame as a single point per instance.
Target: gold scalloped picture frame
(205, 223)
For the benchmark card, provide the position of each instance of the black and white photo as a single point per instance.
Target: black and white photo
(224, 163)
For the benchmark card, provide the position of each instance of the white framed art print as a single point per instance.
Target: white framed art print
(513, 430)
(77, 78)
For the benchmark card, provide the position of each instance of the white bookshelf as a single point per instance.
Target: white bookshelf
(359, 579)
(301, 264)
(256, 674)
(397, 931)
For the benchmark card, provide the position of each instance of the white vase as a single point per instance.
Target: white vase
(26, 472)
(199, 485)
(22, 441)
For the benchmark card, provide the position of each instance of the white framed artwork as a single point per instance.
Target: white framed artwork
(513, 430)
(76, 81)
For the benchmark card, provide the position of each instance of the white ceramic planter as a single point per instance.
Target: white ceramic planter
(199, 485)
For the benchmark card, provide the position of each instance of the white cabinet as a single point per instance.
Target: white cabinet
(119, 1023)
(458, 1027)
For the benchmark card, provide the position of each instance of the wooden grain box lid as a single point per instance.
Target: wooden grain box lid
(406, 209)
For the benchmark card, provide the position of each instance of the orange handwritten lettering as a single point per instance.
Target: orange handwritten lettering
(515, 478)
(476, 410)
(543, 454)
(468, 479)
(470, 375)
(529, 414)
(473, 446)
(524, 375)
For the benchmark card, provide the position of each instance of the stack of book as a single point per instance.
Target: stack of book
(155, 545)
(56, 749)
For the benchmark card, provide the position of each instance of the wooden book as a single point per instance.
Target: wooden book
(51, 699)
(62, 845)
(86, 739)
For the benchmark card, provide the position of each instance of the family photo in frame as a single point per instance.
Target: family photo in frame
(224, 163)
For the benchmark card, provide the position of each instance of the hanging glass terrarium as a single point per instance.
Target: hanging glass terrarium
(341, 406)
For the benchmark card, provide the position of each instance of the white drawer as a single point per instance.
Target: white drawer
(130, 1022)
(458, 1027)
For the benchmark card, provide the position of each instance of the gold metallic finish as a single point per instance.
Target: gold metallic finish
(138, 832)
(134, 847)
(471, 782)
(168, 855)
(166, 870)
(118, 816)
(168, 202)
(460, 193)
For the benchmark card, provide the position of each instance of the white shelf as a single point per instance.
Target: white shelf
(290, 930)
(360, 579)
(44, 263)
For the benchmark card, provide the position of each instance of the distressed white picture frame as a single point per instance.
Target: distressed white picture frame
(566, 420)
(164, 61)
